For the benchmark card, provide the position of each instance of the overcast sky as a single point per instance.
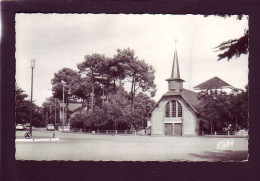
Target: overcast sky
(56, 41)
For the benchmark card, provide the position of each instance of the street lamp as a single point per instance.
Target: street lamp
(32, 66)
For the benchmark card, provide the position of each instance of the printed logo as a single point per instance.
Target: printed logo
(225, 145)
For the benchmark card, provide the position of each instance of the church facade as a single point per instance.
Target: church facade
(175, 114)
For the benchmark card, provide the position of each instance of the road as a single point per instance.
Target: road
(80, 146)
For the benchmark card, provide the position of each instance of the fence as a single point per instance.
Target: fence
(112, 132)
(225, 133)
(109, 132)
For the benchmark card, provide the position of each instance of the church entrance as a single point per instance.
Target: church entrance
(168, 129)
(177, 129)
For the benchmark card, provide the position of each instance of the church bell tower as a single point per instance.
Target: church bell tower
(175, 83)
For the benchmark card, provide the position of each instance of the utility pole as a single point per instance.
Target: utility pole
(92, 94)
(63, 108)
(32, 66)
(55, 109)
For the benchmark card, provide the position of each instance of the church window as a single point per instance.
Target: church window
(173, 103)
(173, 109)
(179, 110)
(167, 110)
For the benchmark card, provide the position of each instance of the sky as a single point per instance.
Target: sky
(56, 41)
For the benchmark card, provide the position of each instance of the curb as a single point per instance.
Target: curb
(36, 140)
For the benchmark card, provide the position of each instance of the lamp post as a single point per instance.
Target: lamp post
(32, 66)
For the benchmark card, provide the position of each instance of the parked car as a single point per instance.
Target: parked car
(19, 127)
(50, 127)
(242, 133)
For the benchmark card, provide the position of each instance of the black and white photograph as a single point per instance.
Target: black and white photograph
(131, 87)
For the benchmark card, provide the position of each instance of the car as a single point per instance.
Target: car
(242, 133)
(50, 127)
(19, 127)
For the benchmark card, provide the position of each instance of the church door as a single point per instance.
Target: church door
(177, 129)
(168, 129)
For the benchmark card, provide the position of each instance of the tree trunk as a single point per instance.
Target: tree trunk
(211, 127)
(67, 109)
(92, 95)
(120, 81)
(114, 86)
(132, 92)
(103, 93)
(236, 122)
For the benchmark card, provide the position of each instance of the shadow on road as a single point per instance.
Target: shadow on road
(227, 155)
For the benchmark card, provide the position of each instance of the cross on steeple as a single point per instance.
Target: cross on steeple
(176, 43)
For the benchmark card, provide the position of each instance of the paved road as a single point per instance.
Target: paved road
(79, 146)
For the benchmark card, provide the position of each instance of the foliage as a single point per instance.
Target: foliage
(48, 108)
(116, 113)
(233, 47)
(219, 110)
(100, 84)
(23, 107)
(139, 74)
(69, 79)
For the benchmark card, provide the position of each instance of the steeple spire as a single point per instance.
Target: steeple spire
(175, 82)
(175, 66)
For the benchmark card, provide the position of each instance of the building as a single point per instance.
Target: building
(215, 83)
(72, 109)
(175, 114)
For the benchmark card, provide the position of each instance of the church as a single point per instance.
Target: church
(175, 114)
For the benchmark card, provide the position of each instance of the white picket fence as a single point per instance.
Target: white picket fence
(225, 133)
(108, 132)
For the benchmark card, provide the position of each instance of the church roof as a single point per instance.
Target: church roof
(213, 83)
(72, 106)
(190, 97)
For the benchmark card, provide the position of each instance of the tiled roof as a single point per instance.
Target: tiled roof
(189, 96)
(74, 106)
(213, 83)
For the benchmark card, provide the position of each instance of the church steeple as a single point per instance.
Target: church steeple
(175, 82)
(175, 66)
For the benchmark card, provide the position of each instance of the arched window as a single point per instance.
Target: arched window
(167, 110)
(179, 110)
(173, 109)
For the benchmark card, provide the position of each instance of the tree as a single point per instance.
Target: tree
(95, 68)
(143, 104)
(233, 47)
(139, 74)
(118, 109)
(219, 110)
(23, 107)
(213, 111)
(50, 107)
(69, 79)
(238, 110)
